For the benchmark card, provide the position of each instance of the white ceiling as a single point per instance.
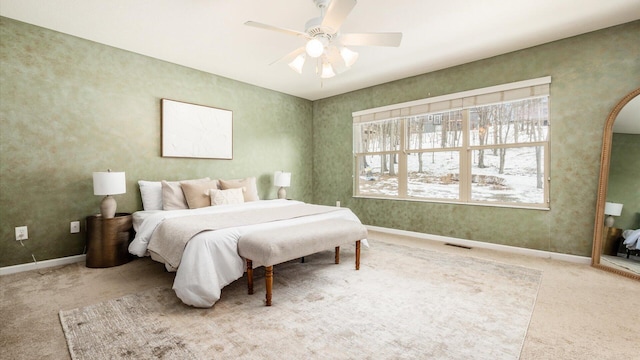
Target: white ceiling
(210, 35)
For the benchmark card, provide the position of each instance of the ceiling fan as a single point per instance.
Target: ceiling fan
(325, 42)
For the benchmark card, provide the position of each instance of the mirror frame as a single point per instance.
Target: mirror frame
(605, 157)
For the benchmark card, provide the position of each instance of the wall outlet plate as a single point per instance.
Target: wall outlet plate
(75, 227)
(21, 233)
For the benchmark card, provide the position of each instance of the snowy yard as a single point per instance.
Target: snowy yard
(439, 179)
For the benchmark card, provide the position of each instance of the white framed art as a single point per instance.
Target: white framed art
(196, 131)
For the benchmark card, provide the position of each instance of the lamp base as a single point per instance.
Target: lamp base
(609, 220)
(108, 207)
(282, 193)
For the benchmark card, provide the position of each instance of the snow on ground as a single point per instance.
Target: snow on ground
(439, 179)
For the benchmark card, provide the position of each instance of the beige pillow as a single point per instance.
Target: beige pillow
(249, 185)
(225, 197)
(197, 192)
(172, 195)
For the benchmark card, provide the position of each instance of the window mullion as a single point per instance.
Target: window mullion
(465, 159)
(402, 160)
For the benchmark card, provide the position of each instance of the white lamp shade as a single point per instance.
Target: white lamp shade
(109, 183)
(327, 71)
(282, 179)
(613, 209)
(297, 63)
(349, 56)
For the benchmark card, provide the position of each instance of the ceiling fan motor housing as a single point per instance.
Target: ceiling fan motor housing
(314, 29)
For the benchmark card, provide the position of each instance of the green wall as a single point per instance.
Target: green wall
(590, 74)
(624, 179)
(69, 107)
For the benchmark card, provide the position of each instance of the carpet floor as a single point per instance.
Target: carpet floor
(403, 304)
(580, 313)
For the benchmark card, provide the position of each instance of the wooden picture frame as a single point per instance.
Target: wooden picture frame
(196, 131)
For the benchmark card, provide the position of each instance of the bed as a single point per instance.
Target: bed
(210, 260)
(631, 241)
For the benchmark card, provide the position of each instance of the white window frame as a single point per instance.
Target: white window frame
(521, 90)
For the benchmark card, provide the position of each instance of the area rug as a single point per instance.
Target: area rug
(404, 303)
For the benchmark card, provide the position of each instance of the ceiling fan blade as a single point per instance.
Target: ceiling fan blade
(371, 39)
(290, 56)
(336, 13)
(275, 28)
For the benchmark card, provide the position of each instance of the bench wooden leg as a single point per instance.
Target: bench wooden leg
(358, 255)
(268, 277)
(337, 254)
(250, 276)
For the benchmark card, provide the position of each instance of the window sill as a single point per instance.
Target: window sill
(526, 207)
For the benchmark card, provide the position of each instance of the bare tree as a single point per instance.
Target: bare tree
(483, 124)
(503, 117)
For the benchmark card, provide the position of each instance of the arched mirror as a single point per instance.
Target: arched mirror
(616, 240)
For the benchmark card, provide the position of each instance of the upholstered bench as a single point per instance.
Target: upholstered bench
(275, 246)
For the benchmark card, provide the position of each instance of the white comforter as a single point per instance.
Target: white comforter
(631, 239)
(210, 260)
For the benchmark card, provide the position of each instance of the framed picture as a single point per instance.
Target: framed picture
(196, 131)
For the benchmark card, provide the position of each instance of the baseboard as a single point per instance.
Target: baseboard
(41, 264)
(470, 243)
(485, 245)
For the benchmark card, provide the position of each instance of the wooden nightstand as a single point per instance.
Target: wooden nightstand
(610, 241)
(108, 240)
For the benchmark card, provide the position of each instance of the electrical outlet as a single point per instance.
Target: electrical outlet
(21, 233)
(75, 227)
(338, 203)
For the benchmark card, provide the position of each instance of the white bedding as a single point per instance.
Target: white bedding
(631, 239)
(210, 260)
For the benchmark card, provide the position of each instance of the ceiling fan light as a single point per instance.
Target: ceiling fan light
(349, 56)
(327, 71)
(297, 63)
(314, 48)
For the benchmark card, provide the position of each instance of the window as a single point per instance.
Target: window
(485, 146)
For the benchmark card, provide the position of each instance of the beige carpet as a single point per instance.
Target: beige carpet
(404, 303)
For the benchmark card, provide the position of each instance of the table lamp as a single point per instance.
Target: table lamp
(282, 179)
(109, 183)
(611, 209)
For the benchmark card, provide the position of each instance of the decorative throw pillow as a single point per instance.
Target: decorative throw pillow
(197, 192)
(151, 192)
(172, 195)
(225, 197)
(249, 185)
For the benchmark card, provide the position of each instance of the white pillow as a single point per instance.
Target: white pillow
(151, 192)
(225, 197)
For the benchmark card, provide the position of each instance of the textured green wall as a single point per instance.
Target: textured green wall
(590, 74)
(69, 107)
(624, 179)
